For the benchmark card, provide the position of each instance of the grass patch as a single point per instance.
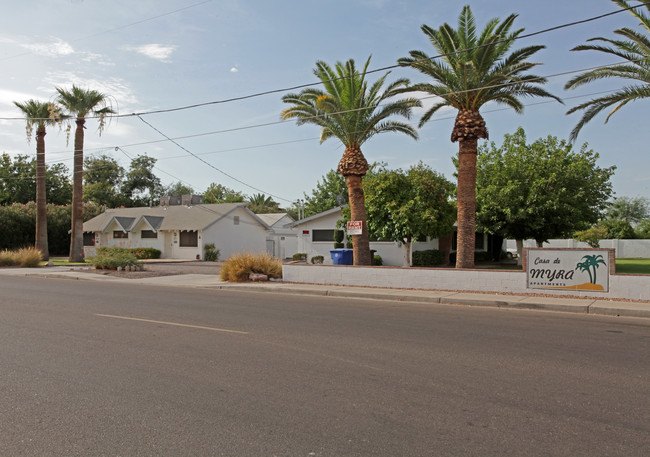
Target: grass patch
(64, 262)
(24, 257)
(639, 266)
(238, 267)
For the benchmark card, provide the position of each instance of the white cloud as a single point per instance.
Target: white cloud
(234, 70)
(117, 89)
(155, 51)
(55, 47)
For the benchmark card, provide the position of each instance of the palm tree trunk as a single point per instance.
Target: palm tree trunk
(76, 234)
(360, 243)
(41, 201)
(466, 199)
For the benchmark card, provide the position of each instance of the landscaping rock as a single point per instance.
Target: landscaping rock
(258, 277)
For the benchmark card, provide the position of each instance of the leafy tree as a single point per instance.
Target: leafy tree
(103, 177)
(141, 185)
(352, 111)
(643, 229)
(218, 193)
(18, 181)
(40, 114)
(405, 205)
(177, 189)
(591, 236)
(79, 103)
(634, 48)
(541, 190)
(632, 210)
(618, 230)
(475, 69)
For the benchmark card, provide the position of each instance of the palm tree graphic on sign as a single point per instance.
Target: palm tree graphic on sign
(590, 263)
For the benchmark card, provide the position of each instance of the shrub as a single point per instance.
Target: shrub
(238, 267)
(428, 258)
(317, 259)
(146, 253)
(591, 236)
(139, 253)
(479, 256)
(377, 260)
(110, 258)
(300, 256)
(211, 254)
(23, 257)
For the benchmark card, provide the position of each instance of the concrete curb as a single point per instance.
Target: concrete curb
(557, 304)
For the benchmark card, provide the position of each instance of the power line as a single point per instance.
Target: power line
(212, 166)
(385, 68)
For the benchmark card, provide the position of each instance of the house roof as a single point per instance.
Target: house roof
(271, 219)
(195, 217)
(317, 216)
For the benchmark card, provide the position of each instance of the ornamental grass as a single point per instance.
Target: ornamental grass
(23, 257)
(238, 267)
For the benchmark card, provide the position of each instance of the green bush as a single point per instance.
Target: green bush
(429, 257)
(300, 256)
(112, 258)
(211, 254)
(138, 253)
(377, 260)
(317, 259)
(238, 267)
(479, 256)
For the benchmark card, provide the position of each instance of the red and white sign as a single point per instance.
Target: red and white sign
(355, 228)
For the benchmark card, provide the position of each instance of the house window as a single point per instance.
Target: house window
(189, 239)
(120, 234)
(148, 234)
(322, 235)
(235, 219)
(89, 238)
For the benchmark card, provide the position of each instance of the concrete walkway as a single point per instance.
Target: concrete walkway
(570, 305)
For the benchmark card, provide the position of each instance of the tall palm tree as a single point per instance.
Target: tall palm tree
(473, 69)
(40, 115)
(635, 49)
(79, 103)
(353, 111)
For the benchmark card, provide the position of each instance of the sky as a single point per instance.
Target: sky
(161, 54)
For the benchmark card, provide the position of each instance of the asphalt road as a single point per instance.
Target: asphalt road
(94, 369)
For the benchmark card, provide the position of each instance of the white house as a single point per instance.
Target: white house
(179, 231)
(316, 237)
(281, 241)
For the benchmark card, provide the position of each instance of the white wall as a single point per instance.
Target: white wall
(623, 248)
(247, 236)
(633, 287)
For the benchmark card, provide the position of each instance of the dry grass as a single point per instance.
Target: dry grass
(238, 267)
(24, 257)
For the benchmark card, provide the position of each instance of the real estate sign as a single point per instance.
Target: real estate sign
(354, 228)
(571, 269)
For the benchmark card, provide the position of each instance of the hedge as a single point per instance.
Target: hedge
(428, 258)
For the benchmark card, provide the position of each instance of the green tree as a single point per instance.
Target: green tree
(632, 210)
(141, 185)
(79, 103)
(541, 190)
(218, 193)
(634, 48)
(177, 189)
(261, 204)
(103, 177)
(591, 236)
(475, 69)
(18, 181)
(40, 114)
(406, 205)
(618, 229)
(643, 229)
(352, 111)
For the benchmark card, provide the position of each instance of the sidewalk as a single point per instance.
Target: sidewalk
(570, 305)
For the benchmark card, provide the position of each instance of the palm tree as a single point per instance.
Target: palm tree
(79, 103)
(353, 111)
(40, 114)
(473, 69)
(635, 50)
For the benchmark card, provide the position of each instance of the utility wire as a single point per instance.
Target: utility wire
(390, 67)
(212, 166)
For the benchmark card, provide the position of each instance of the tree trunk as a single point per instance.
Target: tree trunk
(360, 243)
(520, 252)
(408, 257)
(76, 234)
(41, 199)
(466, 198)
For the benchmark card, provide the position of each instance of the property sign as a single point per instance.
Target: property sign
(571, 269)
(355, 228)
